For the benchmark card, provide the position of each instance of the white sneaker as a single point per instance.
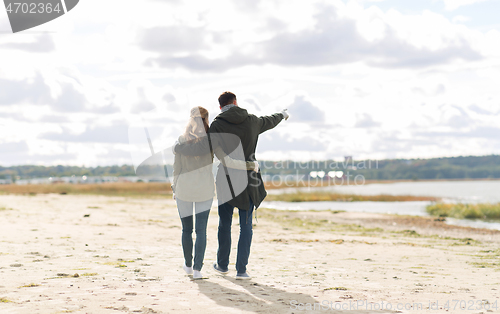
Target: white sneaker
(197, 275)
(188, 270)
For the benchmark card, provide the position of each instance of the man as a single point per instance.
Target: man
(246, 128)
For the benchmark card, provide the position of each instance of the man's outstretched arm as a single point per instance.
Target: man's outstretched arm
(269, 122)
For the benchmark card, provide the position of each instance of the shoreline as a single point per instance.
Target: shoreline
(270, 185)
(127, 254)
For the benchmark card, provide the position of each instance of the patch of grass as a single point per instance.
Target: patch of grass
(336, 241)
(321, 211)
(298, 220)
(461, 241)
(109, 189)
(485, 265)
(4, 300)
(325, 196)
(289, 220)
(488, 259)
(336, 211)
(465, 241)
(30, 285)
(273, 185)
(412, 244)
(89, 274)
(63, 275)
(118, 264)
(465, 211)
(409, 233)
(336, 288)
(491, 253)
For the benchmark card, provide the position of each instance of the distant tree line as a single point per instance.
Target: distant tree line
(470, 167)
(483, 167)
(26, 172)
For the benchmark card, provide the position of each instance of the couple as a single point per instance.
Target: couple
(239, 183)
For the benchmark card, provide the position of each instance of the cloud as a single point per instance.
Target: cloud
(23, 158)
(251, 105)
(460, 19)
(20, 117)
(33, 91)
(334, 40)
(17, 116)
(304, 111)
(143, 104)
(112, 155)
(480, 140)
(451, 5)
(484, 132)
(281, 142)
(171, 39)
(199, 63)
(272, 54)
(70, 99)
(43, 43)
(478, 132)
(247, 5)
(107, 109)
(456, 117)
(480, 110)
(433, 91)
(54, 119)
(101, 134)
(364, 120)
(13, 147)
(395, 53)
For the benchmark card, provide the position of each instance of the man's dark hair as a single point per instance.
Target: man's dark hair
(226, 98)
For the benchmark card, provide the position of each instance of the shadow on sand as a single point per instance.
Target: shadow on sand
(260, 298)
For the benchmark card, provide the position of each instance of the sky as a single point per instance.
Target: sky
(369, 79)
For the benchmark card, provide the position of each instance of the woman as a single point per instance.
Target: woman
(194, 185)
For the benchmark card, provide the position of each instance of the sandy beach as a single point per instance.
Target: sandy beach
(99, 254)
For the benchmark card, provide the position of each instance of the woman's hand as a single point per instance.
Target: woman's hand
(256, 166)
(173, 147)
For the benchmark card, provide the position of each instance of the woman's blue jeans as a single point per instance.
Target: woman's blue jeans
(202, 210)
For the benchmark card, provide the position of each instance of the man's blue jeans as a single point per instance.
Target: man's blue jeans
(202, 210)
(224, 236)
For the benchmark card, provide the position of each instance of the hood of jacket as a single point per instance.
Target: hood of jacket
(235, 115)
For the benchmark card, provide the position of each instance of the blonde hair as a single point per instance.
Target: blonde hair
(198, 123)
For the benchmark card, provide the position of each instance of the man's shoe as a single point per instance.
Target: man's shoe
(220, 270)
(243, 276)
(197, 275)
(188, 270)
